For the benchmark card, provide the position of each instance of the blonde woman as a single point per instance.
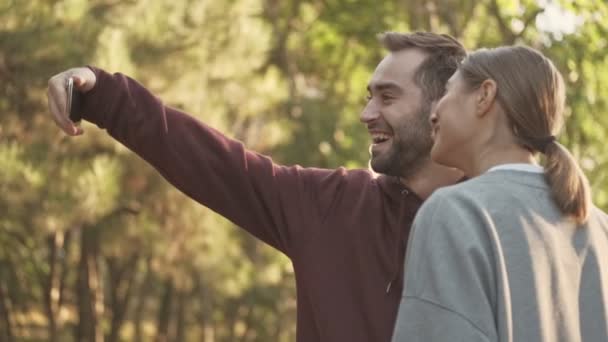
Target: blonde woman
(518, 252)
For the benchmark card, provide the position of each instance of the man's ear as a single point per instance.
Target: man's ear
(486, 95)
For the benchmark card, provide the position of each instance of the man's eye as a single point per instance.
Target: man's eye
(368, 97)
(386, 99)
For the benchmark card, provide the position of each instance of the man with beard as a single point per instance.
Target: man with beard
(344, 230)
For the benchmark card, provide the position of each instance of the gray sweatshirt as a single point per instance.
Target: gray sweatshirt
(493, 259)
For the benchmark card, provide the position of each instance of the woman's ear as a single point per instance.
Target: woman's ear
(486, 95)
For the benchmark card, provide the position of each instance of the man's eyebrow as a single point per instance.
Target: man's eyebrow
(388, 85)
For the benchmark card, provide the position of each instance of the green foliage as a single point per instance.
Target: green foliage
(286, 77)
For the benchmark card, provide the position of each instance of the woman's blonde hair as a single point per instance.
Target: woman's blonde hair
(531, 91)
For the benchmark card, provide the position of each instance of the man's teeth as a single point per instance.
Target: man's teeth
(380, 137)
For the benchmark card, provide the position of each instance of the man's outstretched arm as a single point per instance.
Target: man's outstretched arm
(218, 172)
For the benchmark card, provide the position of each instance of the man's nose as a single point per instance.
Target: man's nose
(369, 113)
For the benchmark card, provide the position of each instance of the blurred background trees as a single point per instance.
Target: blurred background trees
(95, 246)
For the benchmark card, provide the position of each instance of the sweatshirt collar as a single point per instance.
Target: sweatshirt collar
(396, 189)
(518, 167)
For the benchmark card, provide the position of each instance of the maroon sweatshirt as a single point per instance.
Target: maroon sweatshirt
(344, 230)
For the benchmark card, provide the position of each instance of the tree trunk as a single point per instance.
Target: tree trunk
(89, 294)
(204, 312)
(121, 284)
(65, 267)
(6, 324)
(52, 284)
(164, 312)
(141, 303)
(181, 317)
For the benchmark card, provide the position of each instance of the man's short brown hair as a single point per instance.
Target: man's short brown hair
(445, 54)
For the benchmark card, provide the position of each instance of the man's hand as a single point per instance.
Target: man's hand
(84, 80)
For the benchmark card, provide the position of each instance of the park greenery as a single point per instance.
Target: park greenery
(96, 246)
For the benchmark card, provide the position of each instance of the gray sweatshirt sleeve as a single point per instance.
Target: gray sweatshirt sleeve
(420, 320)
(449, 286)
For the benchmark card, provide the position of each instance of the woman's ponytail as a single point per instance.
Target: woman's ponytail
(569, 186)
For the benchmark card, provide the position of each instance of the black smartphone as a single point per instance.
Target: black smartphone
(74, 101)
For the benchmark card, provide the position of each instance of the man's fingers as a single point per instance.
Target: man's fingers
(66, 125)
(80, 82)
(59, 94)
(84, 79)
(59, 119)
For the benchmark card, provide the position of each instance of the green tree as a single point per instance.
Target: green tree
(95, 245)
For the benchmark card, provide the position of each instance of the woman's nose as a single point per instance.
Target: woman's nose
(433, 119)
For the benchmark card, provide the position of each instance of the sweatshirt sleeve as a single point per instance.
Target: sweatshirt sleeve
(448, 287)
(218, 172)
(424, 321)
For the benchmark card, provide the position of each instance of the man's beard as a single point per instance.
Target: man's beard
(409, 150)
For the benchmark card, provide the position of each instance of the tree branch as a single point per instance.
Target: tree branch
(507, 35)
